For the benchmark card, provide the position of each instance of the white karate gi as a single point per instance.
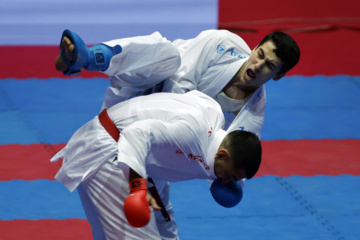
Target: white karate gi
(169, 137)
(206, 63)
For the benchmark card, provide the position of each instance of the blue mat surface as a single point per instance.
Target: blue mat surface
(320, 207)
(315, 107)
(296, 207)
(298, 108)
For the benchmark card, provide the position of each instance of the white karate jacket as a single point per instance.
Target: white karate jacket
(170, 137)
(206, 63)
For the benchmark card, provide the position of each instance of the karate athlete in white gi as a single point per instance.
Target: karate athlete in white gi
(217, 62)
(165, 136)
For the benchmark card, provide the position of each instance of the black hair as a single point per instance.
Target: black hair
(286, 49)
(245, 149)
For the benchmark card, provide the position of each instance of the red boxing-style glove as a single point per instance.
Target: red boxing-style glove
(136, 206)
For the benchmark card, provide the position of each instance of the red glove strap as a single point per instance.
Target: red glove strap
(137, 184)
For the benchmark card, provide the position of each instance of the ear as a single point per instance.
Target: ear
(222, 154)
(279, 76)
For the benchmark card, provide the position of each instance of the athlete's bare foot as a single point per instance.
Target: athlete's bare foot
(68, 47)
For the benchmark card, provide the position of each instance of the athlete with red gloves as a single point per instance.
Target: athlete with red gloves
(140, 145)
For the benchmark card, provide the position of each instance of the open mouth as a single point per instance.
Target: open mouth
(250, 73)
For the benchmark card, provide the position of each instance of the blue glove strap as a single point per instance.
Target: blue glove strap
(100, 55)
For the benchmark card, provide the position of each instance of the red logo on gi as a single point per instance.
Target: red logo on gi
(198, 159)
(195, 158)
(179, 152)
(210, 132)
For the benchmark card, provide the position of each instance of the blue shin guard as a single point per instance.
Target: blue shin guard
(227, 195)
(94, 58)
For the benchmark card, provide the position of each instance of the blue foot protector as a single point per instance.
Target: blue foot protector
(80, 53)
(227, 195)
(94, 58)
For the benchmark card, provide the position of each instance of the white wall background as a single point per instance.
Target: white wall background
(41, 22)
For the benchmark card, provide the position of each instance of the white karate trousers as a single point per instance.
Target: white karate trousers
(103, 195)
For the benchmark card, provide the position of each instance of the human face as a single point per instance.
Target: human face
(225, 170)
(262, 65)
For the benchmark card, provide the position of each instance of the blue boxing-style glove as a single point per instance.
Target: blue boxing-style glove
(227, 195)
